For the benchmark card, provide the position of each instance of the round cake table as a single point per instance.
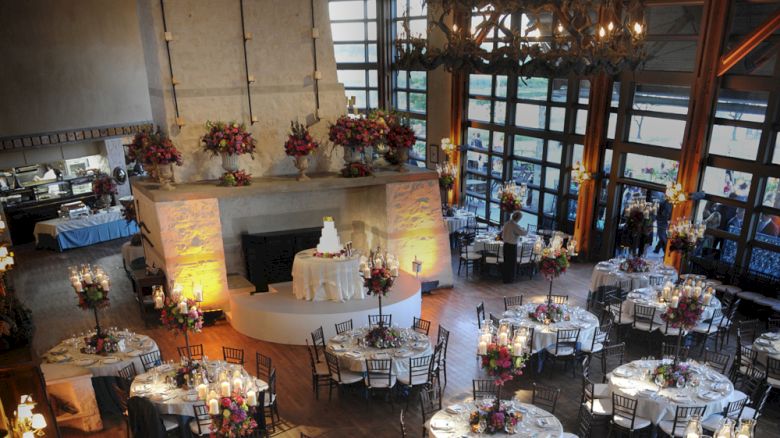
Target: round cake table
(547, 334)
(322, 278)
(352, 353)
(634, 380)
(453, 421)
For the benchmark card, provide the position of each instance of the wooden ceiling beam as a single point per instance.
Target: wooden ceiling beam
(749, 42)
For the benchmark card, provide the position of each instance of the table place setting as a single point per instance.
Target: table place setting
(609, 272)
(126, 346)
(767, 345)
(546, 320)
(352, 348)
(660, 385)
(472, 418)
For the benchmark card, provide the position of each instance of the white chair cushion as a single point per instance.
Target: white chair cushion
(775, 383)
(171, 422)
(639, 422)
(736, 395)
(347, 377)
(380, 382)
(643, 326)
(470, 256)
(490, 260)
(205, 427)
(600, 406)
(562, 351)
(747, 413)
(704, 328)
(416, 380)
(595, 348)
(712, 423)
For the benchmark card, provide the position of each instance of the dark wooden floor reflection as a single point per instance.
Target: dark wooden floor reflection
(41, 281)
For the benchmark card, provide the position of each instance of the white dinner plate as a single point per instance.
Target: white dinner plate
(190, 397)
(455, 409)
(85, 362)
(544, 423)
(623, 372)
(109, 360)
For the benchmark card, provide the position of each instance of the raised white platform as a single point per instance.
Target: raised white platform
(277, 316)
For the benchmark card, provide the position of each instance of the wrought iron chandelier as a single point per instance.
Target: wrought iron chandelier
(532, 38)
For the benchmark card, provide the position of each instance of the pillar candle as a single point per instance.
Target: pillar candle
(238, 384)
(707, 298)
(225, 389)
(502, 338)
(482, 347)
(675, 301)
(87, 278)
(517, 349)
(203, 391)
(696, 292)
(213, 406)
(78, 286)
(251, 398)
(104, 285)
(75, 279)
(183, 307)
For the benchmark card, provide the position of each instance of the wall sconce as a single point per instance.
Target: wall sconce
(197, 292)
(675, 194)
(159, 297)
(27, 424)
(417, 266)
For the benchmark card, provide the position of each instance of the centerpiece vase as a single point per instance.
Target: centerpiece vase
(105, 200)
(302, 164)
(402, 154)
(380, 307)
(229, 161)
(549, 293)
(677, 349)
(165, 176)
(352, 154)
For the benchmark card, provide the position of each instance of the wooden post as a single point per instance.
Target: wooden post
(598, 114)
(703, 95)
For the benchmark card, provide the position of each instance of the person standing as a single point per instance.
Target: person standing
(510, 233)
(662, 223)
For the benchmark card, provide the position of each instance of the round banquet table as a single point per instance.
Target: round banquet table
(547, 334)
(646, 296)
(177, 401)
(767, 345)
(135, 345)
(457, 222)
(352, 354)
(453, 421)
(608, 273)
(320, 278)
(481, 242)
(657, 404)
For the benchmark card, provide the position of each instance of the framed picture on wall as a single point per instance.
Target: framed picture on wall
(433, 153)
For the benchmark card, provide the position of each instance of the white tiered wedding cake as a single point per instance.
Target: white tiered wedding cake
(329, 240)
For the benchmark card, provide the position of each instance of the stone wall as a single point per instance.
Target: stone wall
(70, 64)
(208, 63)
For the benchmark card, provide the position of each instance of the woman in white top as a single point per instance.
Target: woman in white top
(509, 234)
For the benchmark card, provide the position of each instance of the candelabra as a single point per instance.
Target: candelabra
(553, 258)
(379, 271)
(26, 423)
(579, 174)
(674, 193)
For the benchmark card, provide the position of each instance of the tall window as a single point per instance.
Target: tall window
(409, 88)
(353, 24)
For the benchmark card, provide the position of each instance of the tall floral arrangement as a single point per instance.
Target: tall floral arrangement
(639, 217)
(154, 149)
(380, 281)
(356, 132)
(553, 262)
(230, 138)
(686, 314)
(446, 175)
(299, 141)
(234, 418)
(684, 236)
(500, 363)
(92, 287)
(509, 198)
(181, 318)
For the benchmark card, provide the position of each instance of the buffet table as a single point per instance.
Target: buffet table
(352, 352)
(453, 421)
(608, 273)
(547, 334)
(62, 234)
(708, 388)
(320, 278)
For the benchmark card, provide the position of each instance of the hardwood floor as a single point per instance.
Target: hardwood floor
(40, 280)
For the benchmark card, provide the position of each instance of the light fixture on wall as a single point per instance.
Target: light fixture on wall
(579, 174)
(674, 193)
(26, 423)
(557, 37)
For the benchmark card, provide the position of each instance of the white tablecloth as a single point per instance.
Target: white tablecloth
(607, 274)
(177, 401)
(319, 278)
(69, 353)
(545, 335)
(54, 227)
(768, 344)
(482, 243)
(352, 354)
(658, 404)
(459, 221)
(453, 421)
(646, 296)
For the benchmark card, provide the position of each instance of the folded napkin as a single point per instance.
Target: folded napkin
(354, 354)
(380, 356)
(440, 424)
(455, 409)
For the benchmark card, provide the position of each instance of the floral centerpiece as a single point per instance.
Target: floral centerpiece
(92, 287)
(683, 236)
(553, 262)
(358, 136)
(446, 176)
(230, 141)
(182, 315)
(399, 138)
(299, 145)
(234, 417)
(547, 313)
(500, 363)
(634, 264)
(379, 282)
(102, 343)
(494, 418)
(237, 178)
(156, 150)
(383, 337)
(331, 255)
(668, 374)
(683, 313)
(639, 217)
(184, 375)
(104, 187)
(509, 196)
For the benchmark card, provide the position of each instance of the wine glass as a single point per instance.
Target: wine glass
(680, 382)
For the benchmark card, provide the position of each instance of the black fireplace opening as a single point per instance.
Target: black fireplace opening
(269, 256)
